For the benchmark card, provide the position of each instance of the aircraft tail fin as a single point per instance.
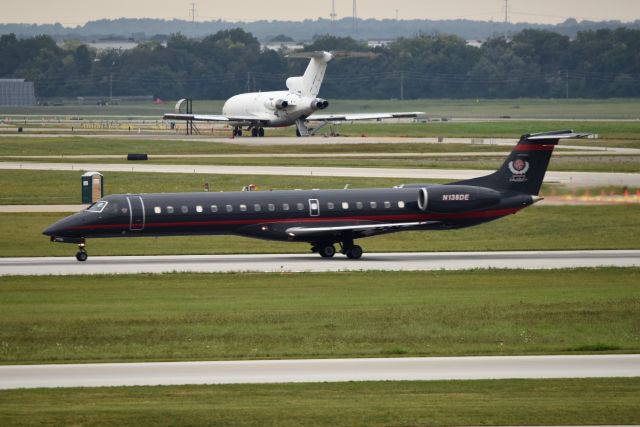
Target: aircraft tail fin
(524, 169)
(309, 83)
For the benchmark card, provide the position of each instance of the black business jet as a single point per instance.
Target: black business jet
(321, 217)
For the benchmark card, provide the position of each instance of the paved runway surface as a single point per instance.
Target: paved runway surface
(313, 263)
(319, 370)
(583, 179)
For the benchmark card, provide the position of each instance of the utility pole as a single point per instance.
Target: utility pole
(402, 85)
(333, 16)
(506, 17)
(193, 13)
(355, 19)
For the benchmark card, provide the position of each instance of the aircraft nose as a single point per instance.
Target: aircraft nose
(63, 227)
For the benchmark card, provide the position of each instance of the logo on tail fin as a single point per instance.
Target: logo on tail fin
(519, 170)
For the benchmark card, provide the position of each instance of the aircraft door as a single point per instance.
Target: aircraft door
(136, 213)
(314, 207)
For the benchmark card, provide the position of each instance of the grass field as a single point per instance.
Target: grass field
(525, 402)
(307, 315)
(535, 228)
(483, 108)
(590, 163)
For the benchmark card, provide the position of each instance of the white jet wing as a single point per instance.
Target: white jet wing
(306, 231)
(364, 116)
(213, 118)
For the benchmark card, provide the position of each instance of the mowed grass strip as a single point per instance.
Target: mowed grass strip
(534, 228)
(64, 187)
(506, 402)
(578, 163)
(303, 315)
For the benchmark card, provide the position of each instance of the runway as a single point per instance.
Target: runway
(319, 370)
(581, 179)
(281, 263)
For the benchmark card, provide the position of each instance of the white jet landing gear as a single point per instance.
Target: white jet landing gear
(237, 131)
(82, 254)
(257, 132)
(354, 252)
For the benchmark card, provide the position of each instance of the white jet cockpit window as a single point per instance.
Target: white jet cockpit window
(97, 207)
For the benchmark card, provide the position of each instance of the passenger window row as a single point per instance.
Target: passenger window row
(270, 207)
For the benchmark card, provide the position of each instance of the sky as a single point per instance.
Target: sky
(77, 12)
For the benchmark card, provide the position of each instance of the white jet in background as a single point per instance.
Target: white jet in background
(257, 110)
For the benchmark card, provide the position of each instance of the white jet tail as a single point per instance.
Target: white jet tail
(309, 83)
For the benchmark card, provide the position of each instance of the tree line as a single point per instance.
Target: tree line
(533, 63)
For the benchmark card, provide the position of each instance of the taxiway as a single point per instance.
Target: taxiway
(281, 263)
(319, 370)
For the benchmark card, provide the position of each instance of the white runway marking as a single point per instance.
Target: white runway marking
(319, 370)
(583, 179)
(418, 261)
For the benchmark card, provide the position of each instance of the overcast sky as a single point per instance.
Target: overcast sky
(77, 12)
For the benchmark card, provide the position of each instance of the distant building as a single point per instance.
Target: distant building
(17, 92)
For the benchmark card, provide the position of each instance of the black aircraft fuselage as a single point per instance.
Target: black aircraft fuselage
(320, 217)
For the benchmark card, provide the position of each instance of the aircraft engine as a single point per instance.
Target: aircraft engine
(456, 198)
(277, 104)
(319, 104)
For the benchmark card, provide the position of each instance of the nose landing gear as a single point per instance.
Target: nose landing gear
(82, 254)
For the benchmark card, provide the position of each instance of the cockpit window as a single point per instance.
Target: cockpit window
(97, 206)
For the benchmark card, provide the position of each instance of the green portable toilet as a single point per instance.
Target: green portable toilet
(92, 187)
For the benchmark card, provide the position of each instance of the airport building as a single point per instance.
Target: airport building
(17, 92)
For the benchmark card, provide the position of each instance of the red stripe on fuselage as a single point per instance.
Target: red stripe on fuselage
(534, 147)
(388, 218)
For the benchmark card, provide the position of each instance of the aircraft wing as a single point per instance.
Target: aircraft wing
(363, 116)
(213, 118)
(359, 229)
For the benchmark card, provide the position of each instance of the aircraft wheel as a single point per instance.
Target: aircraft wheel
(254, 132)
(327, 251)
(354, 252)
(239, 132)
(261, 132)
(82, 256)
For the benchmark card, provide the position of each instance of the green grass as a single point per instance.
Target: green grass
(61, 187)
(440, 403)
(307, 315)
(606, 163)
(503, 129)
(535, 228)
(487, 108)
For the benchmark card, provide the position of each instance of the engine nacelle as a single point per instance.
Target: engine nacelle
(277, 104)
(319, 104)
(456, 198)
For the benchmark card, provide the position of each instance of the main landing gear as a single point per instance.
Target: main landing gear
(327, 250)
(82, 254)
(257, 132)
